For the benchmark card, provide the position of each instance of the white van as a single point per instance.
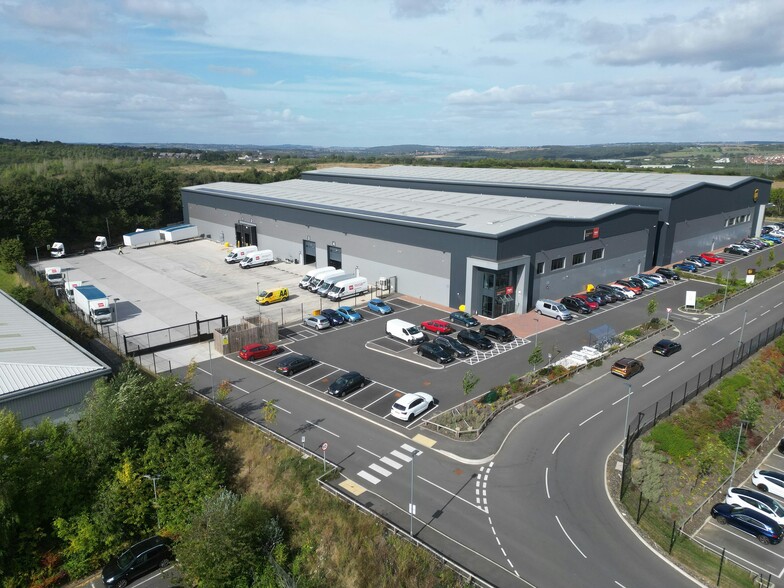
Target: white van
(306, 279)
(553, 309)
(346, 288)
(406, 332)
(318, 280)
(328, 282)
(263, 257)
(237, 254)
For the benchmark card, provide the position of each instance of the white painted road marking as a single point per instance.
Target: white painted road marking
(391, 463)
(323, 429)
(402, 456)
(546, 483)
(590, 417)
(696, 354)
(652, 381)
(719, 341)
(368, 477)
(559, 443)
(569, 538)
(378, 469)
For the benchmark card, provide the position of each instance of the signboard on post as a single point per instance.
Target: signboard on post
(691, 298)
(323, 447)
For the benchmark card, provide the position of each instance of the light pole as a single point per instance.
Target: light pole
(155, 494)
(212, 376)
(626, 420)
(726, 287)
(536, 334)
(108, 234)
(411, 505)
(116, 322)
(743, 326)
(737, 447)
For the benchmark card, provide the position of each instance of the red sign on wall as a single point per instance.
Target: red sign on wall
(596, 232)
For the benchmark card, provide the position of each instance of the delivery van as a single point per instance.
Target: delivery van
(328, 282)
(316, 282)
(406, 332)
(237, 254)
(274, 295)
(349, 287)
(257, 258)
(308, 277)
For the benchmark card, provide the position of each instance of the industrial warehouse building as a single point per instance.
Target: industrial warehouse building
(43, 374)
(493, 240)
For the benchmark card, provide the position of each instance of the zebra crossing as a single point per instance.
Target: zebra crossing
(396, 460)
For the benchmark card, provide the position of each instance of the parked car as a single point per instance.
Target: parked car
(625, 290)
(258, 351)
(610, 292)
(654, 277)
(436, 326)
(685, 266)
(758, 242)
(668, 273)
(594, 297)
(463, 318)
(592, 304)
(349, 314)
(768, 481)
(626, 367)
(411, 405)
(765, 529)
(454, 346)
(771, 240)
(649, 281)
(601, 297)
(497, 332)
(698, 261)
(712, 258)
(576, 305)
(636, 288)
(379, 306)
(317, 322)
(474, 339)
(644, 284)
(136, 561)
(346, 383)
(748, 243)
(434, 351)
(333, 316)
(666, 347)
(756, 501)
(288, 366)
(736, 249)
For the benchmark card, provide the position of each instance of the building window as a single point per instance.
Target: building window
(539, 267)
(488, 281)
(597, 254)
(578, 258)
(558, 263)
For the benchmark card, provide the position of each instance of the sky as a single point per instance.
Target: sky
(363, 73)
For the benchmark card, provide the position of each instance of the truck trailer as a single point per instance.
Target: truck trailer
(179, 233)
(93, 303)
(69, 288)
(142, 238)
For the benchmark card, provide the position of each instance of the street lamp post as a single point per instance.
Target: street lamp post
(411, 505)
(626, 420)
(726, 287)
(743, 326)
(212, 376)
(116, 323)
(737, 448)
(155, 494)
(536, 334)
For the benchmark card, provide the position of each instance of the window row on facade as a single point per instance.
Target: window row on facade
(736, 220)
(577, 259)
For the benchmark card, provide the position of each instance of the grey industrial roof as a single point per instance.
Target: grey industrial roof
(484, 214)
(653, 184)
(32, 353)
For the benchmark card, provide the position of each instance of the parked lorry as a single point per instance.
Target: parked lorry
(179, 233)
(93, 303)
(308, 277)
(350, 287)
(317, 281)
(237, 254)
(100, 243)
(54, 276)
(263, 257)
(57, 249)
(69, 288)
(142, 238)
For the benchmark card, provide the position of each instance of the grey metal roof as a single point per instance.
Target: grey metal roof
(33, 353)
(484, 214)
(653, 184)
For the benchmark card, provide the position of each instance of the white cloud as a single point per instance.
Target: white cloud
(176, 14)
(70, 17)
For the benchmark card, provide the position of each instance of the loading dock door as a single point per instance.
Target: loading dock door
(335, 256)
(246, 234)
(309, 252)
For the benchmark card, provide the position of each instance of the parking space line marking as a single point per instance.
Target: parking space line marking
(719, 341)
(678, 365)
(742, 536)
(569, 538)
(325, 376)
(402, 456)
(559, 443)
(718, 549)
(652, 381)
(323, 429)
(370, 452)
(368, 477)
(775, 468)
(377, 399)
(391, 463)
(377, 468)
(696, 354)
(590, 417)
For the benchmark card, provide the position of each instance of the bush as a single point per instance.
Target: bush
(672, 440)
(729, 437)
(723, 399)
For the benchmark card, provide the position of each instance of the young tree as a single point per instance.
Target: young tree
(269, 412)
(470, 380)
(535, 358)
(652, 306)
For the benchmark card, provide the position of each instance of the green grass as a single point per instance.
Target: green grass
(8, 281)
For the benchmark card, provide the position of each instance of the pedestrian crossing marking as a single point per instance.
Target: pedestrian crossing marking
(391, 463)
(403, 456)
(378, 469)
(368, 477)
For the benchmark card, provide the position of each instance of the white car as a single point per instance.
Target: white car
(411, 405)
(628, 292)
(756, 501)
(317, 322)
(768, 481)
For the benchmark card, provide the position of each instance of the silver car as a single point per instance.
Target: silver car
(317, 322)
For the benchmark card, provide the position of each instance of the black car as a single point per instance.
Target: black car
(463, 318)
(752, 244)
(136, 561)
(764, 528)
(434, 351)
(289, 366)
(610, 292)
(454, 346)
(576, 305)
(333, 316)
(474, 339)
(668, 273)
(597, 298)
(346, 383)
(497, 332)
(735, 250)
(666, 347)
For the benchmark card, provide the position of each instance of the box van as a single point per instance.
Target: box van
(306, 279)
(263, 257)
(237, 254)
(54, 276)
(404, 331)
(270, 296)
(317, 280)
(346, 288)
(330, 280)
(553, 309)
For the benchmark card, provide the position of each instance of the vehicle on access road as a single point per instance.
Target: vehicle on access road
(627, 367)
(666, 347)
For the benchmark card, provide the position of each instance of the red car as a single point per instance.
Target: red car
(636, 289)
(591, 304)
(258, 351)
(712, 258)
(440, 327)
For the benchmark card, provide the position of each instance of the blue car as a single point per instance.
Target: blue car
(650, 282)
(698, 261)
(685, 266)
(349, 314)
(765, 529)
(379, 306)
(333, 317)
(463, 318)
(776, 240)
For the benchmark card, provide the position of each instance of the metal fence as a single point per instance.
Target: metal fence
(159, 339)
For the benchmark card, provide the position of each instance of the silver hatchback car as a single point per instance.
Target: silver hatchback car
(317, 322)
